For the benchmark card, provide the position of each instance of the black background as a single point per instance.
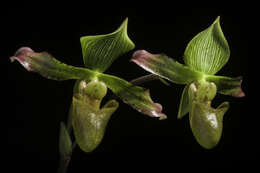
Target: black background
(37, 105)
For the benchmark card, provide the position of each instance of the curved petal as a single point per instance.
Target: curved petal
(49, 67)
(135, 96)
(165, 67)
(227, 85)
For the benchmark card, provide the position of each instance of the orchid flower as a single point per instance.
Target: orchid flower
(204, 56)
(86, 116)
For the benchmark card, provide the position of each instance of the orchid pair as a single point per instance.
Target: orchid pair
(204, 56)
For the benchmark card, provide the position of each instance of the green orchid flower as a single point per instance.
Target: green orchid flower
(204, 56)
(86, 118)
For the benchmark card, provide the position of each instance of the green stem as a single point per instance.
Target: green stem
(63, 165)
(64, 161)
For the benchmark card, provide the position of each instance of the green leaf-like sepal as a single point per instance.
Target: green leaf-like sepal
(88, 120)
(208, 51)
(65, 144)
(100, 51)
(165, 67)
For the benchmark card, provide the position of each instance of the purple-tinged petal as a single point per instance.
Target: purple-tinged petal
(165, 67)
(227, 85)
(22, 57)
(46, 65)
(135, 96)
(157, 112)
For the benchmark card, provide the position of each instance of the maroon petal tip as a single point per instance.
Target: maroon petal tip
(163, 117)
(22, 58)
(139, 53)
(158, 112)
(240, 93)
(22, 51)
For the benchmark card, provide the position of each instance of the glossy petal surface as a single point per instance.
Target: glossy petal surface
(89, 124)
(88, 120)
(206, 123)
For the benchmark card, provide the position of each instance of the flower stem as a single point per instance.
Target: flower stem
(64, 161)
(63, 165)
